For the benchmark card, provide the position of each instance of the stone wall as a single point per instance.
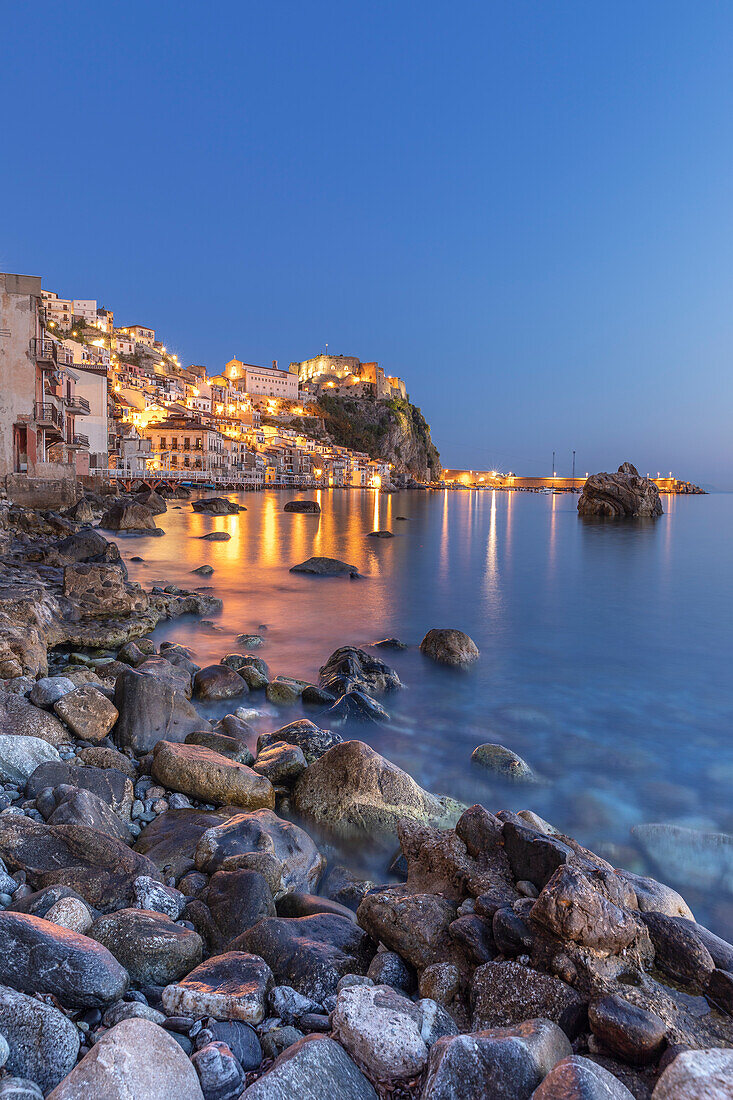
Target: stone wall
(57, 488)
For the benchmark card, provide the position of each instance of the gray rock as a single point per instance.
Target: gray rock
(506, 993)
(311, 1069)
(152, 895)
(503, 763)
(37, 955)
(697, 1075)
(169, 841)
(19, 1088)
(284, 691)
(351, 669)
(151, 711)
(449, 646)
(232, 986)
(153, 949)
(78, 806)
(620, 495)
(231, 747)
(691, 857)
(356, 706)
(87, 712)
(25, 720)
(572, 909)
(326, 567)
(678, 950)
(280, 763)
(389, 968)
(135, 1059)
(289, 1005)
(71, 913)
(220, 1074)
(501, 1063)
(44, 1044)
(655, 897)
(46, 691)
(241, 1039)
(577, 1078)
(216, 536)
(109, 784)
(313, 741)
(216, 682)
(237, 900)
(20, 756)
(217, 506)
(131, 1010)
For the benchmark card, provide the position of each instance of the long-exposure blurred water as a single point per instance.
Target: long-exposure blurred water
(605, 646)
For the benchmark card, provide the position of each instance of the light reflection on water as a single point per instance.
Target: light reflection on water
(605, 648)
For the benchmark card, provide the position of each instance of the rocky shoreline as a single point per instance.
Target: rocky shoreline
(178, 916)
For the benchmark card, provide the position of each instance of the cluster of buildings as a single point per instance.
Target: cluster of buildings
(81, 397)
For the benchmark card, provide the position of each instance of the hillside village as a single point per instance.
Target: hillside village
(115, 401)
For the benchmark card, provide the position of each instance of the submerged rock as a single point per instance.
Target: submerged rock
(448, 646)
(217, 506)
(326, 567)
(309, 506)
(624, 493)
(352, 669)
(503, 762)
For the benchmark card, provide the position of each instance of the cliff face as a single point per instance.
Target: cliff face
(394, 431)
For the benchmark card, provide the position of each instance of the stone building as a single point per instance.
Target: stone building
(343, 372)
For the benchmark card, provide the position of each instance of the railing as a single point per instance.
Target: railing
(81, 440)
(46, 413)
(48, 353)
(78, 404)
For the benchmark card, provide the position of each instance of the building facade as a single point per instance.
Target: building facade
(264, 381)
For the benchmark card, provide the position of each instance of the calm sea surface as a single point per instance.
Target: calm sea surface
(605, 647)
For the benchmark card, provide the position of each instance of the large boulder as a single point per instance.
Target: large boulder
(22, 719)
(217, 506)
(233, 986)
(309, 506)
(65, 805)
(217, 682)
(449, 646)
(572, 908)
(109, 784)
(311, 1069)
(153, 949)
(691, 857)
(102, 591)
(414, 925)
(697, 1075)
(150, 499)
(261, 841)
(87, 712)
(310, 954)
(506, 993)
(624, 493)
(352, 669)
(135, 1060)
(170, 840)
(20, 756)
(44, 1044)
(237, 900)
(204, 774)
(38, 956)
(151, 710)
(326, 567)
(352, 792)
(125, 515)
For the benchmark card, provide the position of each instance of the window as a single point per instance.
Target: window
(162, 443)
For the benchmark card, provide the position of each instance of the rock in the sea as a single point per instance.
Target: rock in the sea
(152, 948)
(20, 756)
(150, 711)
(309, 953)
(577, 1078)
(625, 493)
(503, 763)
(326, 567)
(134, 1060)
(352, 791)
(691, 857)
(207, 775)
(382, 534)
(352, 669)
(124, 515)
(216, 536)
(497, 1064)
(505, 993)
(314, 742)
(382, 1029)
(356, 706)
(233, 986)
(216, 682)
(284, 691)
(697, 1075)
(633, 1034)
(217, 506)
(87, 712)
(37, 956)
(261, 841)
(152, 500)
(313, 1068)
(44, 1044)
(309, 506)
(449, 646)
(203, 570)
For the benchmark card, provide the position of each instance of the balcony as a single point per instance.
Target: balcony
(78, 405)
(50, 355)
(48, 416)
(79, 441)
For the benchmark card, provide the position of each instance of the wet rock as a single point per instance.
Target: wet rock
(46, 691)
(572, 909)
(25, 720)
(503, 763)
(283, 691)
(352, 791)
(721, 952)
(220, 1074)
(631, 1033)
(44, 1044)
(505, 993)
(533, 856)
(448, 646)
(124, 515)
(678, 951)
(414, 925)
(313, 741)
(37, 955)
(342, 885)
(356, 706)
(501, 1063)
(241, 1039)
(250, 641)
(151, 711)
(384, 1030)
(512, 935)
(201, 773)
(697, 1075)
(309, 953)
(474, 937)
(217, 682)
(112, 786)
(135, 1059)
(217, 506)
(311, 1069)
(280, 763)
(169, 841)
(253, 677)
(233, 986)
(203, 570)
(306, 905)
(619, 495)
(351, 669)
(231, 747)
(77, 806)
(216, 536)
(577, 1078)
(237, 900)
(20, 756)
(326, 567)
(87, 712)
(150, 499)
(308, 506)
(382, 534)
(153, 949)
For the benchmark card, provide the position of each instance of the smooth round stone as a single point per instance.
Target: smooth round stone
(633, 1034)
(241, 1039)
(72, 914)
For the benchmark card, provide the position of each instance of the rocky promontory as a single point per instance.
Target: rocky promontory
(181, 913)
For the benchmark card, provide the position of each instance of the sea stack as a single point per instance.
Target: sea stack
(625, 493)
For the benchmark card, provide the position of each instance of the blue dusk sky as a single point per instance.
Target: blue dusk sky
(525, 209)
